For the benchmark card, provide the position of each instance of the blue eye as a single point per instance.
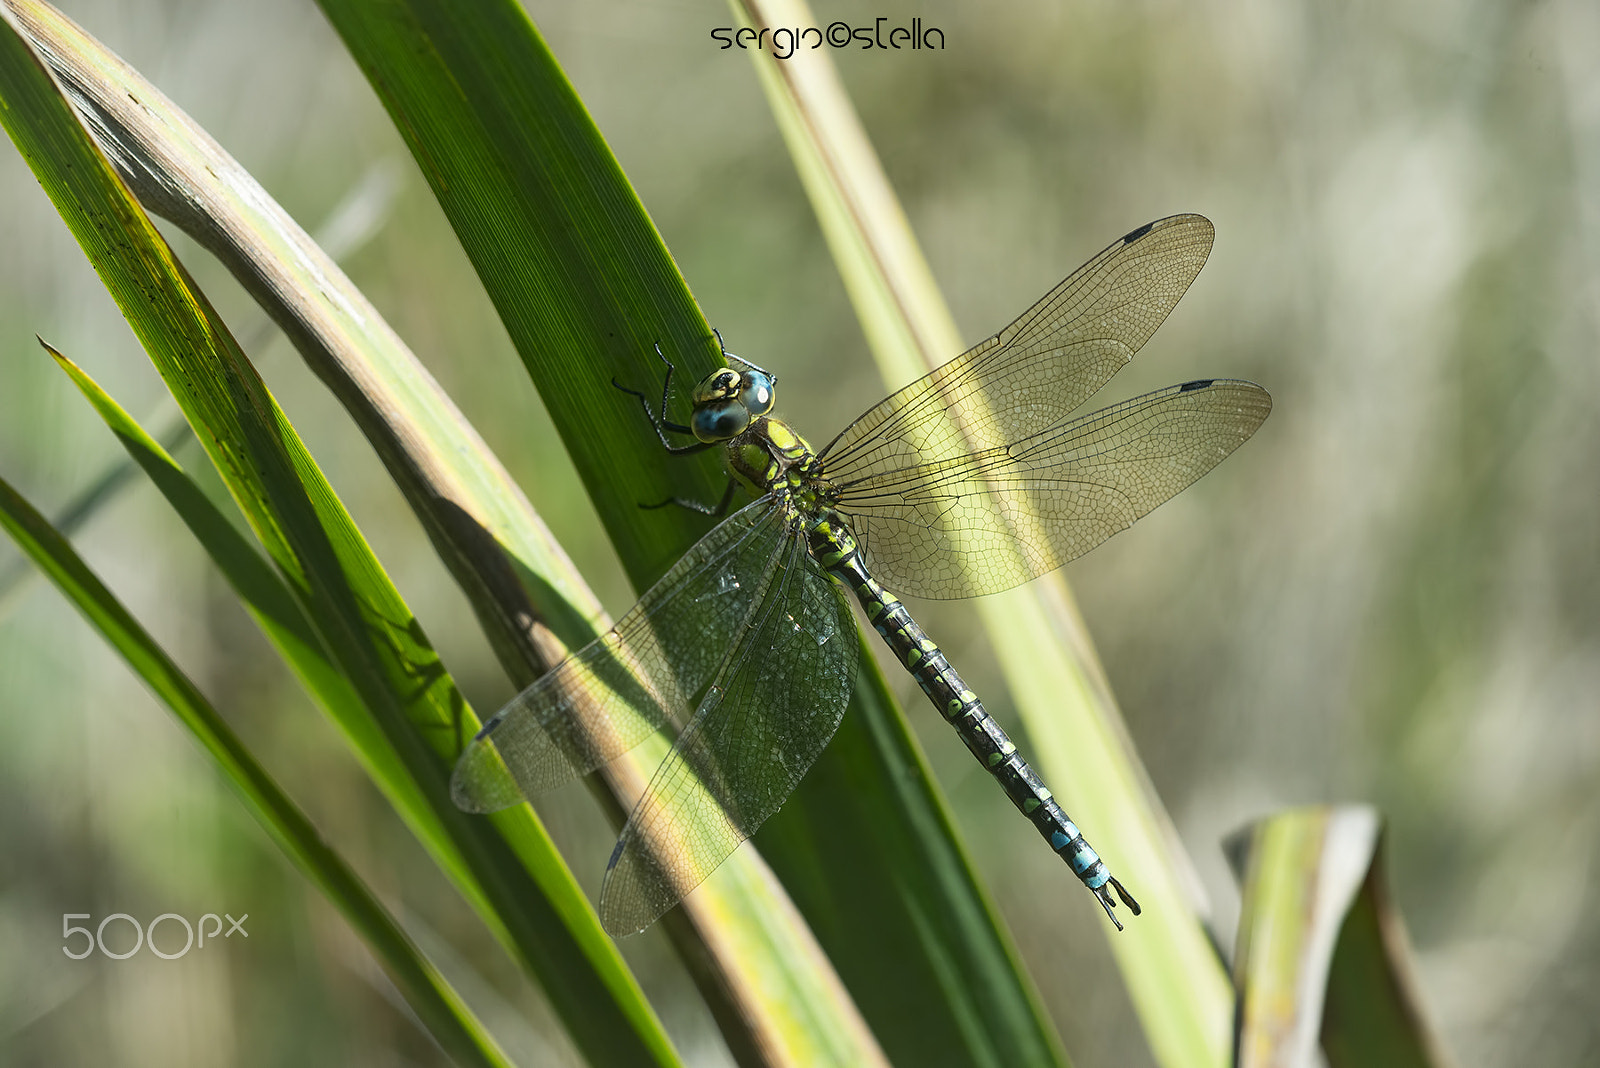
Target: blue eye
(720, 422)
(756, 392)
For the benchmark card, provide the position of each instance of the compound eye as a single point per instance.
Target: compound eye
(719, 422)
(755, 390)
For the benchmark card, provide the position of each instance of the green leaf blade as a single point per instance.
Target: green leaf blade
(586, 291)
(1322, 955)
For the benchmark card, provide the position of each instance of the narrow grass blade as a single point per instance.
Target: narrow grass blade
(1176, 981)
(1321, 955)
(1300, 871)
(87, 503)
(360, 619)
(353, 222)
(274, 608)
(437, 1006)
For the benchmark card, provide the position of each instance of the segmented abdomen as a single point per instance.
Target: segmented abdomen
(835, 548)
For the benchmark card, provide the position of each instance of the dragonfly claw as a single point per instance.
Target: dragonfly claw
(1127, 898)
(1103, 895)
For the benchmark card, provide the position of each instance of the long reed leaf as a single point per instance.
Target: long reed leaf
(352, 222)
(586, 291)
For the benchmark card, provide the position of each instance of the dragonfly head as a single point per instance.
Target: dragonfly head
(726, 401)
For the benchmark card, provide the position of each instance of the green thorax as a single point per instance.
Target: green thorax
(769, 457)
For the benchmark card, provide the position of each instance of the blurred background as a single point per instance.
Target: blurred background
(1391, 594)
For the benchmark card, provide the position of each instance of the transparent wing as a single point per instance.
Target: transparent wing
(1035, 372)
(776, 701)
(987, 521)
(619, 689)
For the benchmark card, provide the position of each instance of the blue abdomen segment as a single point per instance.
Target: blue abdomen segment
(1079, 855)
(835, 548)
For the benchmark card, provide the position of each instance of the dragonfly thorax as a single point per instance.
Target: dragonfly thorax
(771, 458)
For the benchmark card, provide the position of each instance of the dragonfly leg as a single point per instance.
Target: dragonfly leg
(659, 420)
(1103, 895)
(716, 511)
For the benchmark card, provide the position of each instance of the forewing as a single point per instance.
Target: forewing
(1036, 371)
(619, 689)
(987, 521)
(775, 703)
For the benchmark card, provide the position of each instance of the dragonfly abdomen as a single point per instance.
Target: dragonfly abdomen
(836, 549)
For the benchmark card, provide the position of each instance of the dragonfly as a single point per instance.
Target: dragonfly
(969, 481)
